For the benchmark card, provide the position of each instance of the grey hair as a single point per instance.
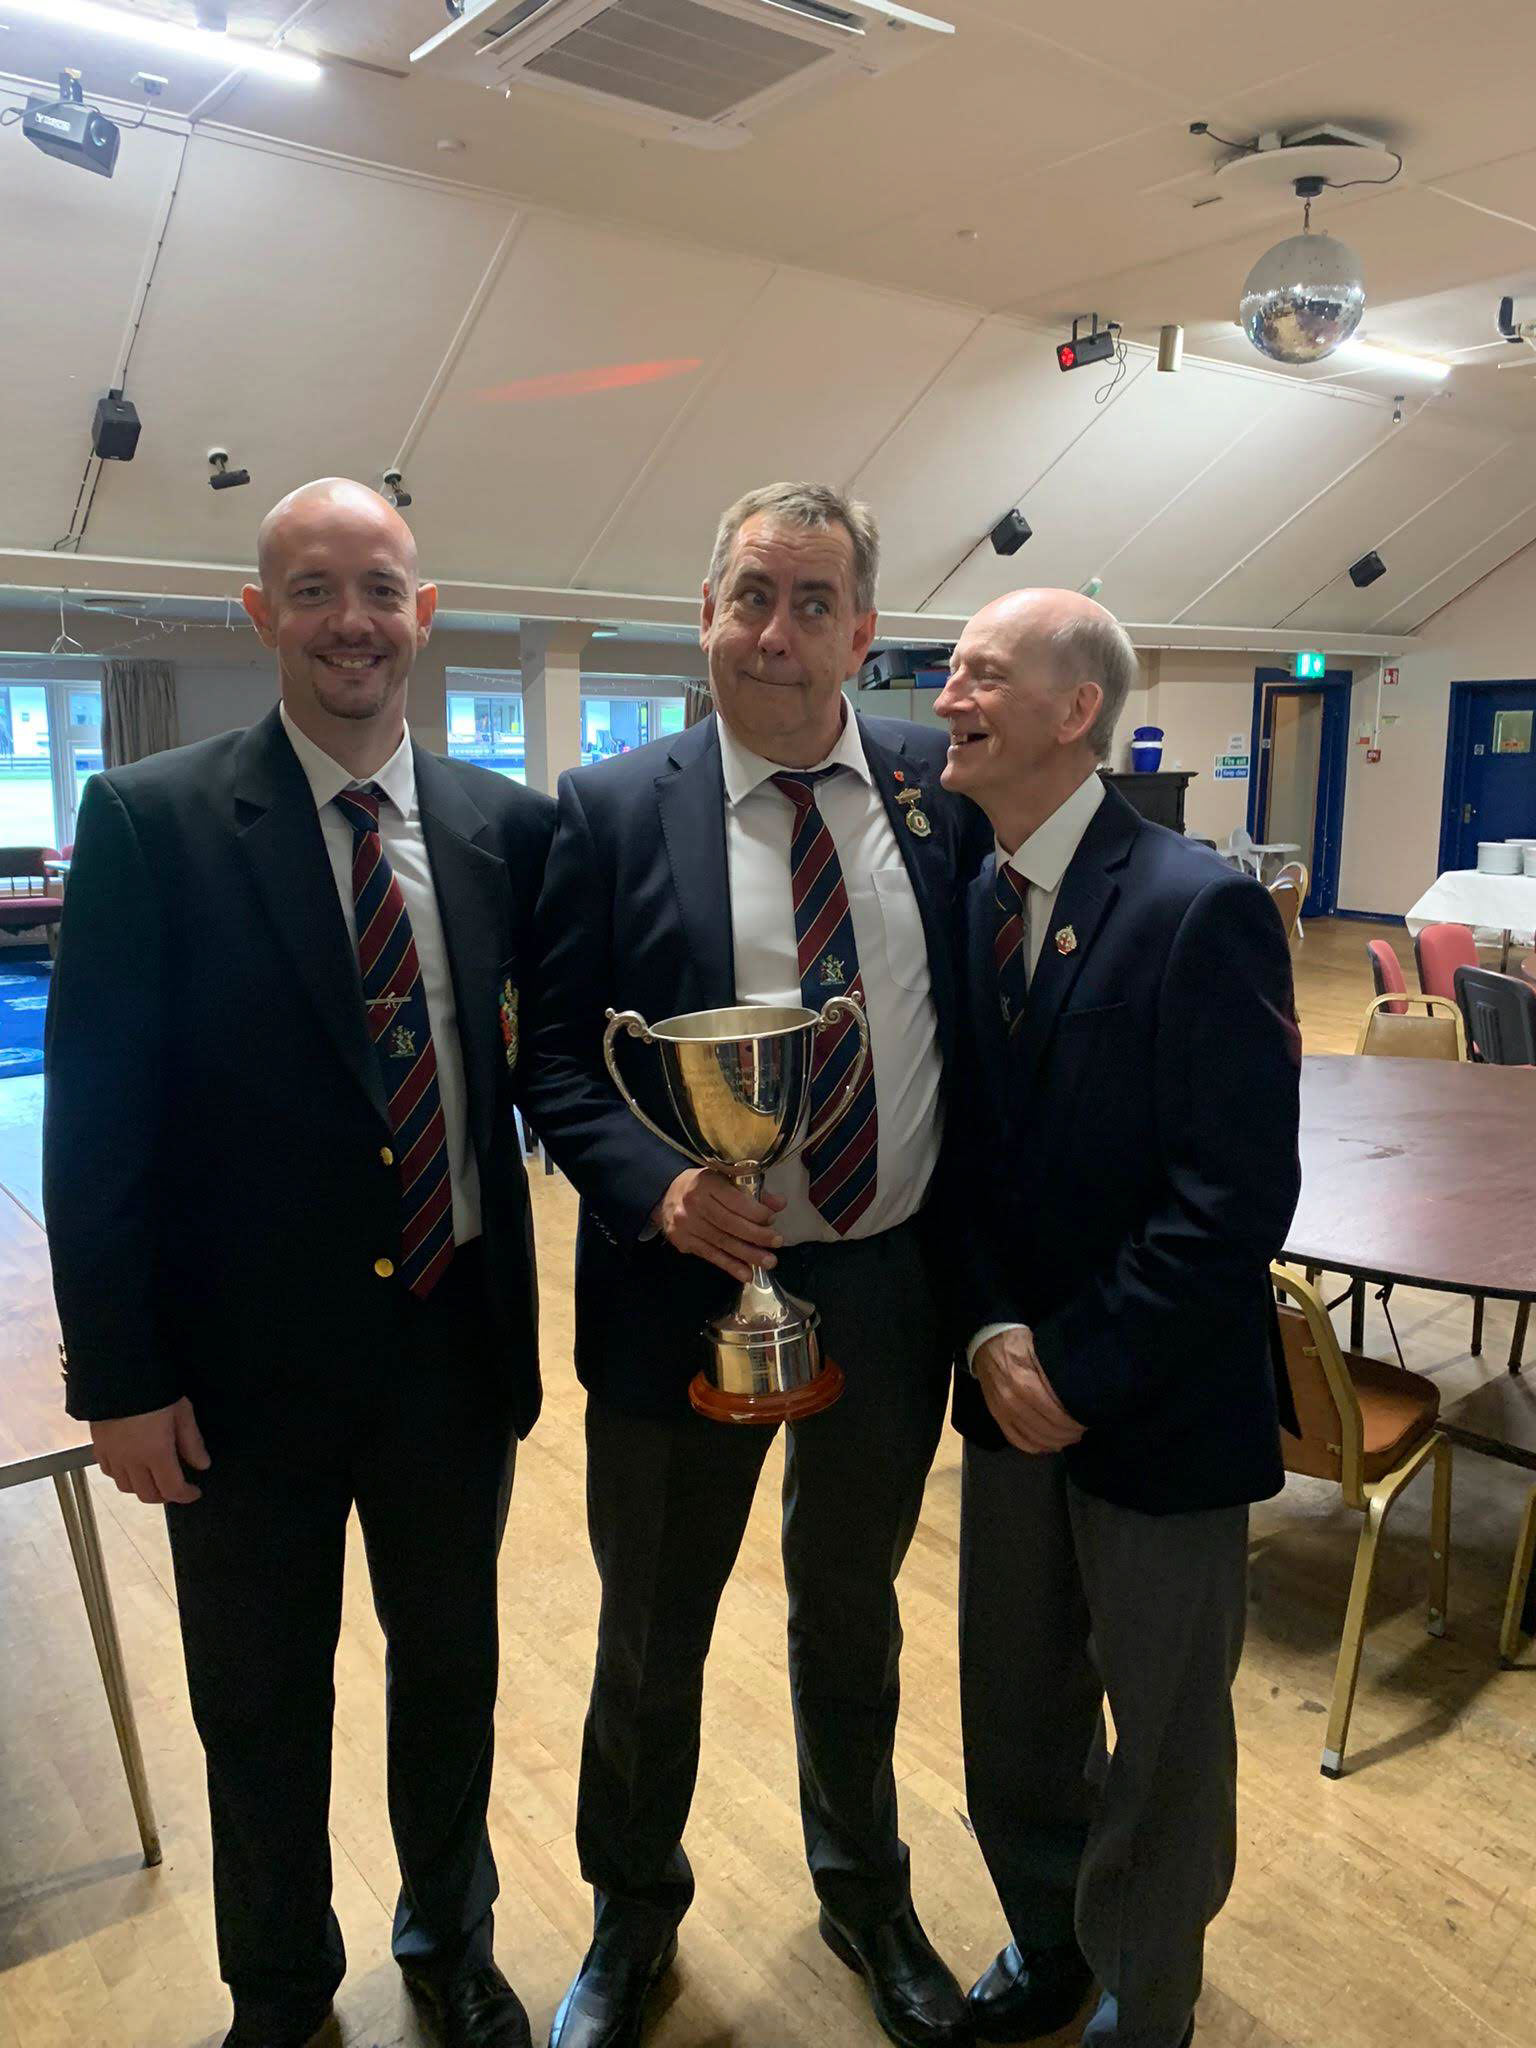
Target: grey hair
(811, 506)
(1097, 650)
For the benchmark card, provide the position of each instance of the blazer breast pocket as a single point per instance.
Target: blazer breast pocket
(906, 946)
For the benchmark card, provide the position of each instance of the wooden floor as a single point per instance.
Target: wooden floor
(1395, 1906)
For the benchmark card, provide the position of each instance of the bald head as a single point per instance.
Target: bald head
(330, 503)
(1037, 683)
(341, 605)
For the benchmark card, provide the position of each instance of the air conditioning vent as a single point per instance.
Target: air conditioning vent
(697, 69)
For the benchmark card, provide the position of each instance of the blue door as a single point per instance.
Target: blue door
(1296, 794)
(1490, 769)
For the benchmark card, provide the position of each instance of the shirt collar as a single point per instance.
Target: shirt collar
(1047, 853)
(327, 778)
(746, 771)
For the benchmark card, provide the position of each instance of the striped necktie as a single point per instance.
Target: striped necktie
(842, 1171)
(395, 998)
(1010, 895)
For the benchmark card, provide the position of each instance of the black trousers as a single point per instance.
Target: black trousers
(667, 1506)
(418, 1437)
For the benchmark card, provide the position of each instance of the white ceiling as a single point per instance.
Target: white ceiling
(585, 342)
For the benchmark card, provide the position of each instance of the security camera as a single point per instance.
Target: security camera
(1517, 320)
(224, 478)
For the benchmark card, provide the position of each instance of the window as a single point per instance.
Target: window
(50, 745)
(485, 725)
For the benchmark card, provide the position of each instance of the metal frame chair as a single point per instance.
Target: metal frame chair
(1345, 1459)
(1393, 1027)
(1289, 891)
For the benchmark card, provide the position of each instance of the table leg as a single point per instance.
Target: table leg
(1517, 1344)
(1357, 1316)
(1504, 956)
(79, 1514)
(1477, 1326)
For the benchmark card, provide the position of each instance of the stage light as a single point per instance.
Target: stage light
(1095, 347)
(233, 51)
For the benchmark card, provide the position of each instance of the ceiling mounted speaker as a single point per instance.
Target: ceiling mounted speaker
(1010, 533)
(1366, 570)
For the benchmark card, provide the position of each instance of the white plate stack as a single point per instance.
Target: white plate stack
(1498, 857)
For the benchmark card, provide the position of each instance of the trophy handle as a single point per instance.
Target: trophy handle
(839, 1006)
(632, 1022)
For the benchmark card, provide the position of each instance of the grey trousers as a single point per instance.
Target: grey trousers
(667, 1507)
(1064, 1599)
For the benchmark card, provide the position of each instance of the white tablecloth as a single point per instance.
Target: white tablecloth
(1493, 903)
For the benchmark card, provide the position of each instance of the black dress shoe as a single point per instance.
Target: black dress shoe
(477, 2009)
(605, 2006)
(915, 1997)
(314, 2028)
(1022, 1996)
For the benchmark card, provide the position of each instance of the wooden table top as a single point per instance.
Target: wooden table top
(36, 1437)
(1421, 1171)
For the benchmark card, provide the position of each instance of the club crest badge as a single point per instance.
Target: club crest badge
(508, 1008)
(832, 972)
(911, 800)
(402, 1043)
(1066, 940)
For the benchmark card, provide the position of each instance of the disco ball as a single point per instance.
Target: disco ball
(1302, 298)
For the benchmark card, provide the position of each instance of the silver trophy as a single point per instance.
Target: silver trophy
(739, 1081)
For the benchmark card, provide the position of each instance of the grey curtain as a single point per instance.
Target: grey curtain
(138, 711)
(697, 701)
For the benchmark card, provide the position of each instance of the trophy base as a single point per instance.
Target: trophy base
(792, 1405)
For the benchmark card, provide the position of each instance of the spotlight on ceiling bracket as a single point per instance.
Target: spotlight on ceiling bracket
(1097, 346)
(1010, 533)
(395, 491)
(1366, 570)
(224, 478)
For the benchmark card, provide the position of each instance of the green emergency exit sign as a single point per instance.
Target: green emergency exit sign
(1308, 665)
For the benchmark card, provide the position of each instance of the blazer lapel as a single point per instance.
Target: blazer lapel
(1088, 890)
(690, 798)
(471, 887)
(925, 859)
(279, 830)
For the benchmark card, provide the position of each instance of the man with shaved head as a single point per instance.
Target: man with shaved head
(291, 1245)
(1130, 1167)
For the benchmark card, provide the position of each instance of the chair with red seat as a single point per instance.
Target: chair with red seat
(1439, 950)
(1387, 973)
(29, 895)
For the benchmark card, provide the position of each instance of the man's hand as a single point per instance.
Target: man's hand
(144, 1454)
(1019, 1395)
(706, 1214)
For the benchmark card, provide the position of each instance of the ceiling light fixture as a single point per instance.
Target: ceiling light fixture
(167, 35)
(1376, 355)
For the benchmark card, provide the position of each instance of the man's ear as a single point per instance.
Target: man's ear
(254, 598)
(706, 613)
(1086, 701)
(426, 610)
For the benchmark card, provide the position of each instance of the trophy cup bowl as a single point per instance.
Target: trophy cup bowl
(739, 1082)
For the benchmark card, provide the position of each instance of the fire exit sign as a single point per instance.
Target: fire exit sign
(1308, 665)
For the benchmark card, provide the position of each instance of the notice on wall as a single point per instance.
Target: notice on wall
(1238, 743)
(1232, 767)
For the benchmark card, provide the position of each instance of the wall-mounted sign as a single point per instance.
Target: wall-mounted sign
(1232, 767)
(1309, 664)
(1389, 676)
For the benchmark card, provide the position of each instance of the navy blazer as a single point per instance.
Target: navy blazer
(1133, 1157)
(215, 1127)
(636, 915)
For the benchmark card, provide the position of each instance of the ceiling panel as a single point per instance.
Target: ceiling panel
(75, 246)
(843, 364)
(588, 350)
(1461, 574)
(1407, 467)
(299, 312)
(1499, 484)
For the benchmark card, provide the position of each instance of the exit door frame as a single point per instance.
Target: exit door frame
(1458, 737)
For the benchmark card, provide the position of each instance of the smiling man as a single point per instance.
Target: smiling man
(780, 851)
(289, 1228)
(1128, 1160)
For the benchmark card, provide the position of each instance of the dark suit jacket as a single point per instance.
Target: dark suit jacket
(1134, 1165)
(636, 914)
(213, 1186)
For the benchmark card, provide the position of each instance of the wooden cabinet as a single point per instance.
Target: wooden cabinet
(1159, 797)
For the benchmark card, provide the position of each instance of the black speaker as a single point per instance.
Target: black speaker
(115, 431)
(1366, 570)
(1010, 533)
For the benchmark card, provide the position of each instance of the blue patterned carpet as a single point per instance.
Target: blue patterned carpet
(23, 1006)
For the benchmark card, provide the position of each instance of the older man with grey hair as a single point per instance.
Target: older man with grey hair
(783, 850)
(1129, 1148)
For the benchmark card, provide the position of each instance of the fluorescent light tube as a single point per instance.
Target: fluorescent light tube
(232, 51)
(1373, 355)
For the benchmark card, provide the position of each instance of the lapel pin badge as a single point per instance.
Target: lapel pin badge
(1066, 940)
(916, 817)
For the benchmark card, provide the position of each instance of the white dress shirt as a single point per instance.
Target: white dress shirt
(1043, 860)
(893, 960)
(405, 848)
